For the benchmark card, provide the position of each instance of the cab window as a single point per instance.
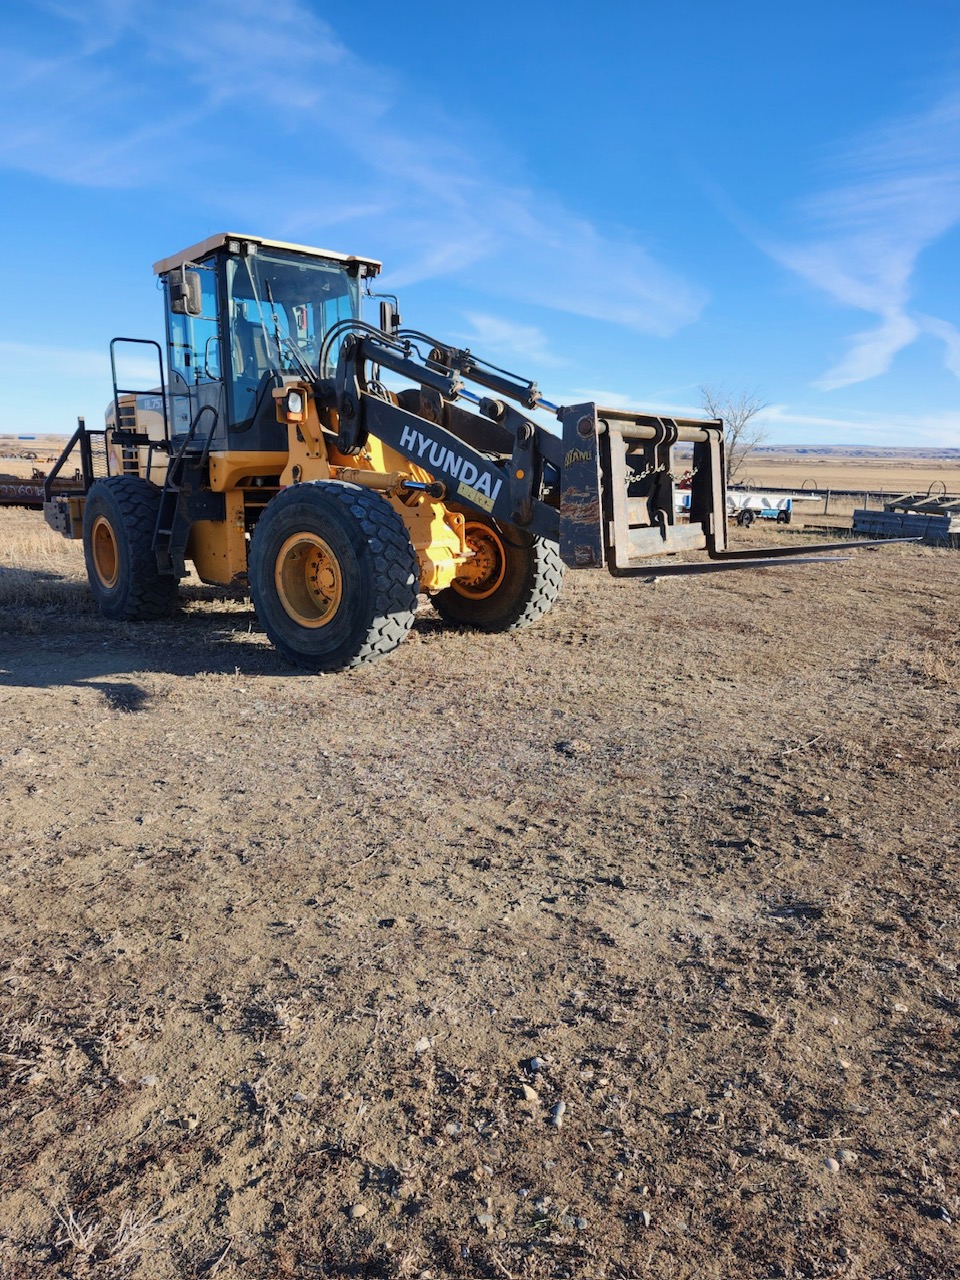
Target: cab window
(194, 349)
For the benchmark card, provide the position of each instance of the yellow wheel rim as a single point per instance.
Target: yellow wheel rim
(308, 580)
(481, 575)
(106, 559)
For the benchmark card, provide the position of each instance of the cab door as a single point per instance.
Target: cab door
(195, 364)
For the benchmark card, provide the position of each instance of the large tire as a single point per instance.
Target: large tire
(333, 575)
(119, 519)
(512, 580)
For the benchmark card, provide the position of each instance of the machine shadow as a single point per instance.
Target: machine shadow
(223, 638)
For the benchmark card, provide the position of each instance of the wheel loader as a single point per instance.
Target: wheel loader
(339, 468)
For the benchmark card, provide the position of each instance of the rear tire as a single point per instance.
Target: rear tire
(333, 575)
(514, 579)
(119, 519)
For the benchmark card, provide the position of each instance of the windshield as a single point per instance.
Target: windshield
(281, 307)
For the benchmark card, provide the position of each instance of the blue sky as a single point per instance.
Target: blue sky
(622, 200)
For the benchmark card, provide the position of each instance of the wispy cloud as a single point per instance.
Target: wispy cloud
(504, 337)
(950, 338)
(898, 193)
(124, 100)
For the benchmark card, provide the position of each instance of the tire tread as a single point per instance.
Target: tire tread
(396, 575)
(540, 593)
(150, 594)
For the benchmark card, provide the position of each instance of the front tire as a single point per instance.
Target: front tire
(119, 520)
(333, 575)
(512, 580)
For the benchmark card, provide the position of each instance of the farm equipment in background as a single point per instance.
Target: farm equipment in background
(745, 508)
(28, 491)
(273, 454)
(934, 518)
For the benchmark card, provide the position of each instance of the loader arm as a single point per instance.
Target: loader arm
(603, 489)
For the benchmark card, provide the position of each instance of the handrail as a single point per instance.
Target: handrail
(131, 391)
(82, 437)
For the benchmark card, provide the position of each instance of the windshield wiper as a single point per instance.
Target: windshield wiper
(305, 367)
(287, 342)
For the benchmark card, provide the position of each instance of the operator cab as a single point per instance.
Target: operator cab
(242, 314)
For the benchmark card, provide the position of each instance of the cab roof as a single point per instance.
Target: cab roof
(198, 251)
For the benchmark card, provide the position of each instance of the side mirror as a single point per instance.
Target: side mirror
(389, 319)
(186, 296)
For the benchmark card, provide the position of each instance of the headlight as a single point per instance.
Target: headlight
(295, 402)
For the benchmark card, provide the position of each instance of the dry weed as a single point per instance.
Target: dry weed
(80, 1232)
(111, 1250)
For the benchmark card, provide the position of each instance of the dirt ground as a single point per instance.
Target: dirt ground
(625, 946)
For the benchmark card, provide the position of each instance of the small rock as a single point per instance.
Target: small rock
(192, 1121)
(845, 1064)
(299, 1097)
(831, 1164)
(148, 1082)
(537, 1064)
(900, 1008)
(35, 1078)
(580, 1224)
(529, 1094)
(645, 1215)
(557, 1114)
(573, 747)
(845, 1156)
(423, 1044)
(485, 1219)
(452, 1128)
(357, 1211)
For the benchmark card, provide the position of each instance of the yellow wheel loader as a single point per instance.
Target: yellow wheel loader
(341, 468)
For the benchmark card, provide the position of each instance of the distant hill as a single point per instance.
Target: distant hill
(865, 452)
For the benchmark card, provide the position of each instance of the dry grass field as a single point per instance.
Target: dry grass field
(625, 946)
(877, 471)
